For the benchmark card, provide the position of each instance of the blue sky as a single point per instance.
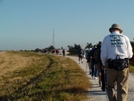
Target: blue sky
(29, 24)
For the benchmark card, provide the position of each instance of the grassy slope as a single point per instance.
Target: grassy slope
(31, 76)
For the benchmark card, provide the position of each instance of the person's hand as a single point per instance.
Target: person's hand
(104, 67)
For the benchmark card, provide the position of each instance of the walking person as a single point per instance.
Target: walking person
(116, 45)
(80, 54)
(94, 72)
(98, 66)
(63, 52)
(88, 58)
(57, 51)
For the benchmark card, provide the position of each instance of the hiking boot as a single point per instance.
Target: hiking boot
(103, 89)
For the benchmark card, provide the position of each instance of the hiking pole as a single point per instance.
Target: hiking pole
(106, 86)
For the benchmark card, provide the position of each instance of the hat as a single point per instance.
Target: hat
(115, 26)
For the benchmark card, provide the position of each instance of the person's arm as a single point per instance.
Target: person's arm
(104, 52)
(130, 52)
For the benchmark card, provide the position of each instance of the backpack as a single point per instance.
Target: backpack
(96, 55)
(80, 51)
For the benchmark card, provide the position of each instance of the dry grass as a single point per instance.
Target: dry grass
(131, 69)
(39, 77)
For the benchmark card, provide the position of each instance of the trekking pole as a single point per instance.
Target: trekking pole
(106, 86)
(107, 96)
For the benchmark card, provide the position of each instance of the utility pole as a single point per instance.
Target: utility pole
(53, 39)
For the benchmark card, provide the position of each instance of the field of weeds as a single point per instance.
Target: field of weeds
(27, 76)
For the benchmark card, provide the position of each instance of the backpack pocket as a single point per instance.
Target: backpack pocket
(120, 64)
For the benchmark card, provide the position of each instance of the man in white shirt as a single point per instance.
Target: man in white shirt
(113, 45)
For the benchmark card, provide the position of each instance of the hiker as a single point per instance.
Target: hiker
(94, 72)
(88, 58)
(57, 51)
(80, 54)
(97, 62)
(116, 51)
(98, 66)
(54, 51)
(63, 52)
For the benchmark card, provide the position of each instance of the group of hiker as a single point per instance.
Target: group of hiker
(95, 65)
(56, 51)
(109, 62)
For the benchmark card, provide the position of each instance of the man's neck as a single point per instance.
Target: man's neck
(116, 32)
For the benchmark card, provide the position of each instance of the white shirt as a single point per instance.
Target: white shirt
(115, 44)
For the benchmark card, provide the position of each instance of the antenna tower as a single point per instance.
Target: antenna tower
(53, 39)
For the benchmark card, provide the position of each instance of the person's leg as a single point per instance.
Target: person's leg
(111, 76)
(96, 72)
(92, 67)
(100, 81)
(97, 66)
(103, 79)
(79, 59)
(122, 85)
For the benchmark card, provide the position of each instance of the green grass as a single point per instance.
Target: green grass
(47, 78)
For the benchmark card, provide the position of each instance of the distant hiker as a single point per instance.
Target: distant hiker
(116, 51)
(80, 54)
(97, 61)
(57, 51)
(63, 52)
(54, 51)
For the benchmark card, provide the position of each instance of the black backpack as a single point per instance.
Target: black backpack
(96, 55)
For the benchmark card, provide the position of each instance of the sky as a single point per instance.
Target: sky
(31, 24)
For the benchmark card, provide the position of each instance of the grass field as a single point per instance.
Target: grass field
(27, 76)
